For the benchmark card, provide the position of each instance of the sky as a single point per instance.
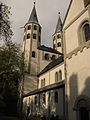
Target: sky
(47, 12)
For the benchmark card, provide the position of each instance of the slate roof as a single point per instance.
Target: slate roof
(60, 84)
(49, 49)
(59, 25)
(52, 64)
(33, 17)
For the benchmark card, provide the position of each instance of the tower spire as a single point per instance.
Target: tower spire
(34, 2)
(59, 24)
(33, 17)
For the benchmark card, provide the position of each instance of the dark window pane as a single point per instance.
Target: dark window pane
(35, 100)
(87, 32)
(58, 44)
(29, 27)
(44, 98)
(39, 39)
(35, 27)
(58, 36)
(39, 29)
(28, 36)
(56, 97)
(56, 76)
(53, 57)
(33, 54)
(34, 36)
(46, 56)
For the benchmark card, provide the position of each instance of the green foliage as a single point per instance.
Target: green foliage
(5, 29)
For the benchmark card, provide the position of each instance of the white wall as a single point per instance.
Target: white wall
(50, 75)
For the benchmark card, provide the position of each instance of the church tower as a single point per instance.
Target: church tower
(32, 40)
(57, 36)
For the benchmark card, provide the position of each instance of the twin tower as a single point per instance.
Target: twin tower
(34, 57)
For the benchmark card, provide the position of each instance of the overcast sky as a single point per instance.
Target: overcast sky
(47, 12)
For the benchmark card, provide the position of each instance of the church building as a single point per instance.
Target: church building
(57, 80)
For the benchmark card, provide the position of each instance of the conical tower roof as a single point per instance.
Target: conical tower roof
(59, 25)
(33, 17)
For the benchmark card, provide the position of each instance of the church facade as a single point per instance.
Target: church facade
(57, 80)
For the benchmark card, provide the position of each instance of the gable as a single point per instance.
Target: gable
(76, 6)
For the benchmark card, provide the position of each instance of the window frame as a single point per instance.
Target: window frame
(81, 36)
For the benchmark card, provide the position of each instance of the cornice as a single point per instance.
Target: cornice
(77, 50)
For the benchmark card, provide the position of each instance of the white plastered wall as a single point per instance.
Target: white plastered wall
(78, 78)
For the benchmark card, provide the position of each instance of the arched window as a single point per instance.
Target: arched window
(86, 2)
(35, 100)
(82, 106)
(28, 36)
(46, 56)
(60, 75)
(56, 97)
(58, 44)
(87, 31)
(58, 36)
(29, 27)
(35, 27)
(33, 54)
(34, 36)
(84, 32)
(53, 57)
(43, 82)
(56, 76)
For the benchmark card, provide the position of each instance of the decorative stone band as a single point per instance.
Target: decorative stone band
(78, 49)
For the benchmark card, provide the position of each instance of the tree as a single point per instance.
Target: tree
(10, 74)
(11, 64)
(5, 28)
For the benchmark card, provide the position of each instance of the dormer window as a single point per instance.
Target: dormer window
(86, 2)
